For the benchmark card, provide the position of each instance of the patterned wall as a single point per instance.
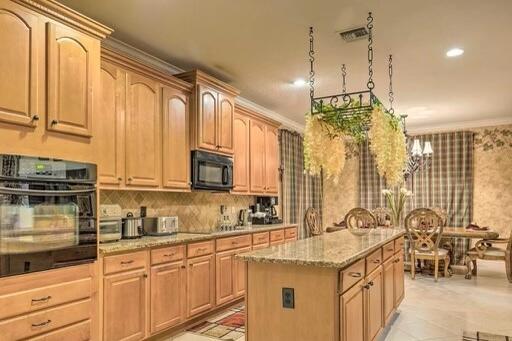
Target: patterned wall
(196, 211)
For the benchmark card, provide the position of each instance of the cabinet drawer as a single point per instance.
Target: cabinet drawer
(167, 254)
(260, 238)
(388, 250)
(45, 320)
(290, 233)
(200, 249)
(276, 235)
(41, 298)
(373, 260)
(351, 275)
(76, 332)
(128, 261)
(230, 243)
(399, 244)
(260, 246)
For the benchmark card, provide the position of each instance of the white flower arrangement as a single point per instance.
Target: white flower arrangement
(396, 203)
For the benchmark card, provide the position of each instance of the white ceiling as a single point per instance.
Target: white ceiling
(260, 46)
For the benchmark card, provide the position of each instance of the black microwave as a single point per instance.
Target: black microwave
(211, 171)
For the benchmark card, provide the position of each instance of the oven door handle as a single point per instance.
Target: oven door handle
(44, 193)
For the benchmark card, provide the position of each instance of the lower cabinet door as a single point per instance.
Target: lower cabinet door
(398, 266)
(374, 304)
(224, 267)
(352, 316)
(168, 282)
(201, 284)
(389, 288)
(240, 274)
(124, 314)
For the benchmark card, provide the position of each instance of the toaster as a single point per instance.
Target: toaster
(160, 226)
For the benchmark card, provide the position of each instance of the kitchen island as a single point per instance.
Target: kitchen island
(337, 286)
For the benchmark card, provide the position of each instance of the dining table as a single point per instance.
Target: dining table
(462, 232)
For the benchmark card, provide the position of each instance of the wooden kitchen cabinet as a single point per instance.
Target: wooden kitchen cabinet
(352, 314)
(271, 160)
(200, 284)
(257, 156)
(124, 306)
(73, 64)
(374, 304)
(240, 277)
(241, 155)
(20, 37)
(110, 132)
(398, 265)
(143, 132)
(388, 275)
(168, 291)
(224, 267)
(175, 139)
(212, 113)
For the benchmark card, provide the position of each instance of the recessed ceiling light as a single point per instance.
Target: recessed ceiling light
(299, 82)
(455, 52)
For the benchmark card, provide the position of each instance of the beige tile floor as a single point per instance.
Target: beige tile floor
(441, 311)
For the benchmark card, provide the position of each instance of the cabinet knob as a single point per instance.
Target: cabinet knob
(183, 266)
(130, 179)
(35, 118)
(119, 178)
(370, 283)
(189, 183)
(367, 286)
(145, 275)
(54, 122)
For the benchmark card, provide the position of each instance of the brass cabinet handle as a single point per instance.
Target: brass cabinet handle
(169, 254)
(355, 274)
(54, 122)
(43, 299)
(377, 261)
(127, 262)
(391, 250)
(42, 324)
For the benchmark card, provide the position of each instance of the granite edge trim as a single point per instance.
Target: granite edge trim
(108, 249)
(322, 264)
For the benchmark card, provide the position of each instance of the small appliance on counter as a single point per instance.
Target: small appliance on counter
(132, 227)
(111, 225)
(266, 211)
(245, 217)
(160, 226)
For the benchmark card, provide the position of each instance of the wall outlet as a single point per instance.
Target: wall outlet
(288, 298)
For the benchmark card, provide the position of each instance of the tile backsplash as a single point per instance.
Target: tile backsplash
(196, 211)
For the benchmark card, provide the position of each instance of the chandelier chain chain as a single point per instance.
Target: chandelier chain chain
(391, 94)
(369, 26)
(311, 61)
(344, 78)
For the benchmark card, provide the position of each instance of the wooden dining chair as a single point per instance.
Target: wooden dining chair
(441, 212)
(360, 218)
(485, 249)
(383, 216)
(425, 230)
(312, 222)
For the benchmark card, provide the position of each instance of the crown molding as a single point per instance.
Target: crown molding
(163, 66)
(457, 126)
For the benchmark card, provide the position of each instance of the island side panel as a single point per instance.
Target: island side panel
(315, 315)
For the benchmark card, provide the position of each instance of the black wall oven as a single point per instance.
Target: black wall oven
(211, 171)
(47, 214)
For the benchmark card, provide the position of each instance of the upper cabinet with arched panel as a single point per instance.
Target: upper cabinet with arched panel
(212, 113)
(19, 38)
(73, 65)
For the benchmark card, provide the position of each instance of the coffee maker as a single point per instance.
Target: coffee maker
(266, 211)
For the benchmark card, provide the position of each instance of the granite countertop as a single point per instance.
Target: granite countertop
(125, 245)
(333, 250)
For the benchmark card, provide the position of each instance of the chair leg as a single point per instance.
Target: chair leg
(468, 265)
(474, 271)
(446, 265)
(413, 266)
(436, 268)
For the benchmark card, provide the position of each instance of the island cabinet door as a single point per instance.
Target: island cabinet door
(124, 315)
(240, 274)
(168, 284)
(374, 304)
(389, 288)
(19, 38)
(398, 264)
(352, 317)
(73, 65)
(201, 284)
(224, 267)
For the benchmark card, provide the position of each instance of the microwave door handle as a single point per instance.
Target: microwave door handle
(225, 170)
(44, 193)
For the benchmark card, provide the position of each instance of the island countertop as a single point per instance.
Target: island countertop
(332, 250)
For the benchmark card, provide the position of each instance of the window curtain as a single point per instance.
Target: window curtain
(299, 190)
(447, 183)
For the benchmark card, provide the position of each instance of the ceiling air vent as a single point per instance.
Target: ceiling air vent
(354, 34)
